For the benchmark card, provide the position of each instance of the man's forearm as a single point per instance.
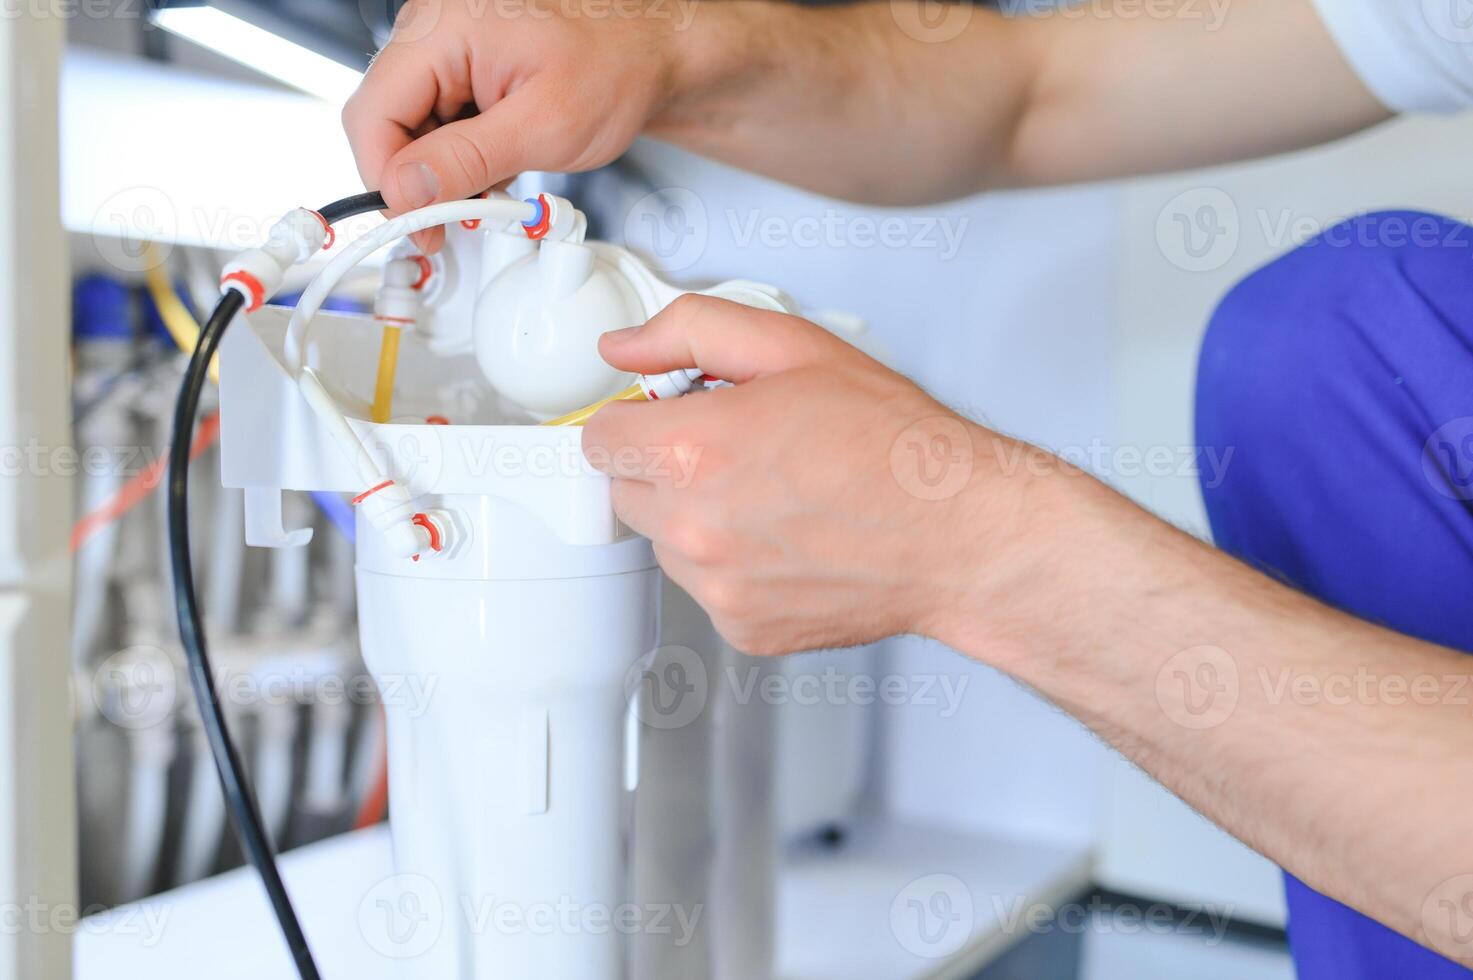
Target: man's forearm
(1335, 747)
(871, 102)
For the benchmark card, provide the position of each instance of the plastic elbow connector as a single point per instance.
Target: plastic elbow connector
(398, 299)
(389, 508)
(257, 273)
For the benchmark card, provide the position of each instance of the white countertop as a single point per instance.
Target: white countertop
(892, 902)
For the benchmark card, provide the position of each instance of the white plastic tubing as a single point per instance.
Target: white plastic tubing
(386, 504)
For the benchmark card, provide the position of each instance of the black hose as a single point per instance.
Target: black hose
(350, 207)
(240, 801)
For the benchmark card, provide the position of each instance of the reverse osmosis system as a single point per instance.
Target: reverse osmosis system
(491, 567)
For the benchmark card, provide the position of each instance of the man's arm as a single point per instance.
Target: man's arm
(825, 501)
(867, 101)
(1335, 747)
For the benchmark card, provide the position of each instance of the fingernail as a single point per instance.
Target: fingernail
(418, 185)
(623, 333)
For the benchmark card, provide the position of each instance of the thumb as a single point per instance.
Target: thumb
(460, 159)
(723, 338)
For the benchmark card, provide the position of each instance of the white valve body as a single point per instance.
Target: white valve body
(537, 325)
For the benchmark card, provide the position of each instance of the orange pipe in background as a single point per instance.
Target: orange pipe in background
(375, 805)
(143, 483)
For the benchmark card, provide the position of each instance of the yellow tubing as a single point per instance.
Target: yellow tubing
(176, 316)
(388, 362)
(634, 393)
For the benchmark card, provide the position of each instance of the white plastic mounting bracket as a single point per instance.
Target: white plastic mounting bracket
(263, 521)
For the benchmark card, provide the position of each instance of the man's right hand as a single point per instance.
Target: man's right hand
(469, 93)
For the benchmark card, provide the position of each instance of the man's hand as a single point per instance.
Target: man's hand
(467, 95)
(816, 503)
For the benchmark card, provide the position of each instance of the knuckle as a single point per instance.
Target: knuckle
(687, 447)
(697, 540)
(720, 599)
(688, 306)
(351, 114)
(738, 634)
(620, 492)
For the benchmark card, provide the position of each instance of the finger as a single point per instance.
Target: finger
(637, 505)
(682, 572)
(397, 97)
(430, 240)
(395, 104)
(722, 338)
(646, 443)
(463, 158)
(459, 160)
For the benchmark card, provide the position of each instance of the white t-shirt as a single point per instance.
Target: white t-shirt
(1414, 55)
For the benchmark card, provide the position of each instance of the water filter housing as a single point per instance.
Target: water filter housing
(511, 662)
(521, 747)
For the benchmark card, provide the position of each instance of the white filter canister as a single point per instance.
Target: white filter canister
(503, 666)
